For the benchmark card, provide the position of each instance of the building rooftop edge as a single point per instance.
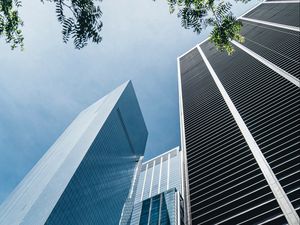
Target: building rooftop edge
(152, 159)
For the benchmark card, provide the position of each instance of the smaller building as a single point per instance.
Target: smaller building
(165, 208)
(158, 191)
(159, 174)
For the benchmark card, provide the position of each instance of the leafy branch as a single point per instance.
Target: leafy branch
(11, 23)
(80, 20)
(82, 24)
(198, 14)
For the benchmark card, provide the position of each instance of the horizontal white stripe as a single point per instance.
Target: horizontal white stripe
(272, 66)
(292, 1)
(249, 10)
(281, 197)
(293, 28)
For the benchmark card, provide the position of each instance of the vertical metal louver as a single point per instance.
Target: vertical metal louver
(159, 174)
(225, 183)
(226, 186)
(269, 105)
(277, 45)
(286, 14)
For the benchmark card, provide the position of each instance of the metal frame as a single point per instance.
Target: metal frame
(276, 188)
(281, 197)
(173, 149)
(151, 183)
(168, 172)
(292, 1)
(159, 179)
(279, 25)
(272, 66)
(144, 182)
(185, 182)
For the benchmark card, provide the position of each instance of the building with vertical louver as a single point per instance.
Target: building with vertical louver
(165, 208)
(159, 174)
(240, 123)
(158, 191)
(85, 177)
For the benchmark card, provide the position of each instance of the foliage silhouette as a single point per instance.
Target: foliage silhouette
(84, 22)
(198, 14)
(80, 20)
(10, 23)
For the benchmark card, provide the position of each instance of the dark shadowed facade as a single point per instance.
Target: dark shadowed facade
(240, 123)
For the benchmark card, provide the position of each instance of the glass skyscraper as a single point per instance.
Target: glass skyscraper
(240, 123)
(159, 174)
(165, 208)
(158, 191)
(85, 177)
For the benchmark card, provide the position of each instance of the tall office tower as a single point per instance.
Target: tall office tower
(240, 123)
(165, 208)
(85, 176)
(158, 199)
(159, 174)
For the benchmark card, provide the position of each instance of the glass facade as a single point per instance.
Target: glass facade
(86, 176)
(165, 208)
(164, 174)
(159, 175)
(128, 206)
(158, 200)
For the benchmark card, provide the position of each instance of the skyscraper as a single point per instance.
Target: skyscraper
(158, 191)
(165, 208)
(239, 119)
(85, 176)
(159, 174)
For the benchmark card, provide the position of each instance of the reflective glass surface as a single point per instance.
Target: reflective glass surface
(85, 177)
(159, 174)
(160, 209)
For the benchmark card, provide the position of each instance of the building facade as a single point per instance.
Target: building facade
(159, 174)
(239, 119)
(85, 177)
(158, 191)
(165, 208)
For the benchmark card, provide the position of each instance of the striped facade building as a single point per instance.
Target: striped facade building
(240, 120)
(158, 191)
(159, 174)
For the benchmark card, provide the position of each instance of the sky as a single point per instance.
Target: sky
(43, 88)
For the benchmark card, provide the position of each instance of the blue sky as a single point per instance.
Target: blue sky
(44, 87)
